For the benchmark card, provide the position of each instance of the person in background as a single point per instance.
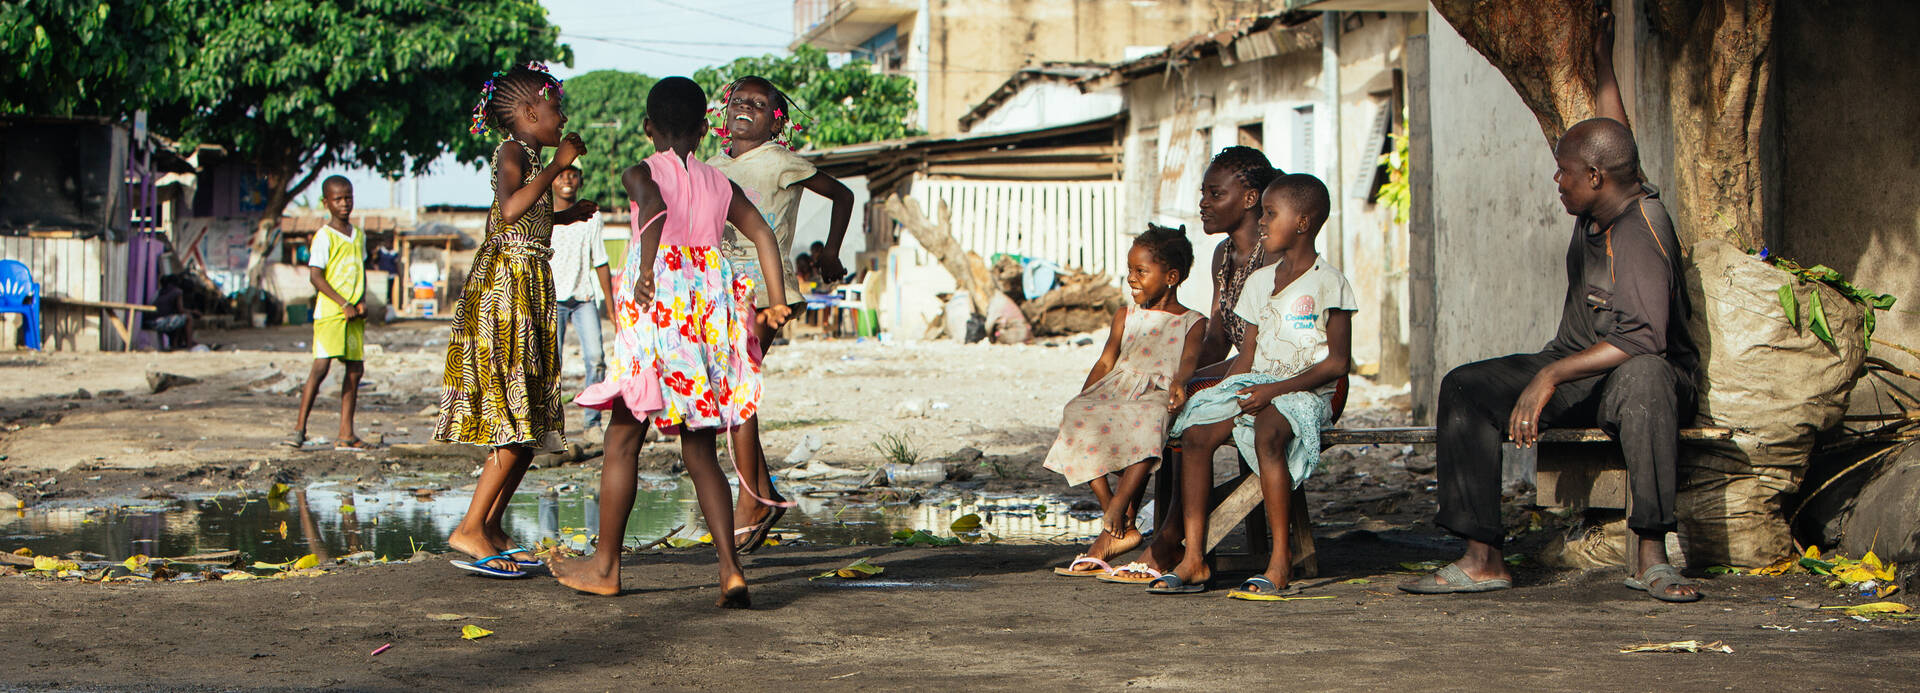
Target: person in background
(337, 266)
(582, 285)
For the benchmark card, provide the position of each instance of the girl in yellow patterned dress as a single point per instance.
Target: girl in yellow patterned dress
(503, 370)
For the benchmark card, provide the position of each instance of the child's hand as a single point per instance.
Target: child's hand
(774, 316)
(643, 292)
(571, 147)
(1177, 399)
(351, 311)
(830, 269)
(580, 211)
(1257, 397)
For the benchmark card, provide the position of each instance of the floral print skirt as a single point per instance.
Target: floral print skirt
(682, 359)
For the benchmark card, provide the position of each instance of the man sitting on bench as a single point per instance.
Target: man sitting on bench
(1622, 359)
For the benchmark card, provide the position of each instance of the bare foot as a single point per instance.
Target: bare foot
(734, 593)
(478, 546)
(586, 575)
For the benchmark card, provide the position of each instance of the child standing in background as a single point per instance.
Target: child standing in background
(337, 266)
(1118, 423)
(757, 114)
(582, 286)
(503, 358)
(682, 352)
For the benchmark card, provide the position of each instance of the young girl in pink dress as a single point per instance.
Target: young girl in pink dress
(683, 335)
(1118, 423)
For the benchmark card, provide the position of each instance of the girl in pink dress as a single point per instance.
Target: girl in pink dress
(1118, 423)
(683, 336)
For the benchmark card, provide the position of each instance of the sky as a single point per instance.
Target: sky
(656, 37)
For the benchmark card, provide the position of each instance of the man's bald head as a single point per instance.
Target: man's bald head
(1605, 144)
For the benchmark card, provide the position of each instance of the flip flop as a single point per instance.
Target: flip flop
(1457, 582)
(352, 445)
(1083, 558)
(524, 564)
(1657, 579)
(760, 531)
(1134, 567)
(479, 565)
(1170, 583)
(295, 441)
(1259, 589)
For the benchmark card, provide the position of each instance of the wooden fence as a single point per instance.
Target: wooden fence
(1077, 224)
(87, 269)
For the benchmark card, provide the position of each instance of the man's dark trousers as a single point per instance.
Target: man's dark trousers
(1640, 404)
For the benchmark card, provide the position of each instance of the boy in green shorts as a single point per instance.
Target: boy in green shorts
(337, 268)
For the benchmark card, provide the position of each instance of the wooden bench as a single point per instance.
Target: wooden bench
(108, 308)
(1569, 468)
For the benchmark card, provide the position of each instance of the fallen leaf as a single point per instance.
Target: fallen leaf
(278, 491)
(348, 509)
(54, 563)
(1423, 566)
(966, 524)
(23, 551)
(853, 571)
(238, 575)
(1874, 608)
(283, 529)
(445, 617)
(136, 561)
(305, 562)
(473, 632)
(1356, 581)
(1296, 599)
(579, 538)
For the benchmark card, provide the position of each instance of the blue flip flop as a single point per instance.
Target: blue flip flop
(479, 565)
(1171, 583)
(534, 563)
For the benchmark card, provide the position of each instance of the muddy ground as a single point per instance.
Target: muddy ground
(971, 617)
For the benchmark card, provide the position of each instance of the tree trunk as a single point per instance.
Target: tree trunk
(969, 272)
(1718, 60)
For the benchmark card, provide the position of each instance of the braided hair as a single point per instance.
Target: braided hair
(1248, 165)
(783, 109)
(677, 106)
(503, 94)
(1169, 247)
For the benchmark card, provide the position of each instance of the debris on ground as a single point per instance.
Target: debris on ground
(857, 570)
(1867, 577)
(473, 632)
(1678, 646)
(160, 382)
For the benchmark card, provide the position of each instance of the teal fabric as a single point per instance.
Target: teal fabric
(1306, 411)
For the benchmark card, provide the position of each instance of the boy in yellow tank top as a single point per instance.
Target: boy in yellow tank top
(337, 268)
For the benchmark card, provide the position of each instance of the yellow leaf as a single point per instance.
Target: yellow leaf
(579, 538)
(966, 524)
(238, 575)
(473, 632)
(1813, 552)
(1780, 567)
(305, 562)
(1855, 573)
(348, 509)
(283, 529)
(53, 563)
(853, 571)
(136, 561)
(23, 551)
(278, 491)
(1878, 608)
(706, 538)
(1871, 560)
(263, 565)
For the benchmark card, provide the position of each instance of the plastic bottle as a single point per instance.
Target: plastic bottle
(917, 473)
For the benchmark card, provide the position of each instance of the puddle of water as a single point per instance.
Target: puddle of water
(337, 520)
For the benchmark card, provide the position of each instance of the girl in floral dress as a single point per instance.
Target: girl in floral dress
(1118, 423)
(683, 340)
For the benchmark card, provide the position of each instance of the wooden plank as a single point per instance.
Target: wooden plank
(109, 305)
(1427, 434)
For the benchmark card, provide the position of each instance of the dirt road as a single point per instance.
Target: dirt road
(960, 618)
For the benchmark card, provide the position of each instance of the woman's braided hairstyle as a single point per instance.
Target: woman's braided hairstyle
(1248, 165)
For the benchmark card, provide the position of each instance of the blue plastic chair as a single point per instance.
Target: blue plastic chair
(19, 293)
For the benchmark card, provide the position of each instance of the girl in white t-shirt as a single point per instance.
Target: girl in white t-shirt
(1278, 393)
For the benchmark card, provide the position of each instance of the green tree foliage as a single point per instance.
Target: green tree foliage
(850, 104)
(85, 57)
(606, 107)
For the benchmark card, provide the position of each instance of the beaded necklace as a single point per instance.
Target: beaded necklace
(1230, 290)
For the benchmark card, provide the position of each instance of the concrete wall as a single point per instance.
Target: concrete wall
(972, 45)
(1850, 196)
(1179, 122)
(1500, 235)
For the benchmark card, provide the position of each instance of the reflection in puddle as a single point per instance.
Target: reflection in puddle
(332, 520)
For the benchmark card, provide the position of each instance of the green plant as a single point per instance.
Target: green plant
(1396, 194)
(897, 449)
(1817, 313)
